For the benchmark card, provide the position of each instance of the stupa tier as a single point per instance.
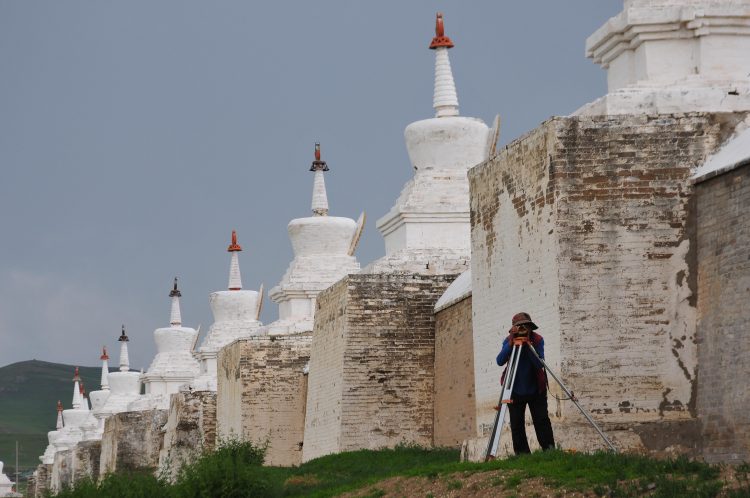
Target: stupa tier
(174, 364)
(427, 230)
(236, 315)
(674, 56)
(324, 249)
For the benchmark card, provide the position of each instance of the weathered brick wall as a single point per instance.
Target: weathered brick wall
(583, 224)
(189, 431)
(61, 474)
(325, 387)
(80, 462)
(514, 254)
(42, 481)
(455, 410)
(372, 363)
(86, 459)
(132, 441)
(268, 372)
(723, 234)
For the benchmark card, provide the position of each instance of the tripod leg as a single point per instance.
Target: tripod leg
(574, 400)
(505, 395)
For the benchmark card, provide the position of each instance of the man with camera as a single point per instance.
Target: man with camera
(530, 387)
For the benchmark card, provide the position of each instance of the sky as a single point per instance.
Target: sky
(135, 136)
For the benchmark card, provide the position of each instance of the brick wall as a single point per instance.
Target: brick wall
(455, 411)
(132, 441)
(267, 371)
(190, 429)
(40, 483)
(372, 363)
(583, 224)
(723, 234)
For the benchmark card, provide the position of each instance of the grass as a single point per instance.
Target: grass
(235, 470)
(28, 402)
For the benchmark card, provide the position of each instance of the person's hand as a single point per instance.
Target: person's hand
(519, 334)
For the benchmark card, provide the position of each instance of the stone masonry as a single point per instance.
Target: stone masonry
(372, 363)
(454, 375)
(75, 464)
(723, 233)
(132, 441)
(583, 223)
(190, 430)
(41, 481)
(262, 393)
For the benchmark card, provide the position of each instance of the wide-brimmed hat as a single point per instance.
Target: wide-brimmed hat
(523, 318)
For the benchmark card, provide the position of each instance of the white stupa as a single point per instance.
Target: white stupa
(428, 230)
(48, 457)
(124, 386)
(236, 315)
(73, 419)
(91, 426)
(174, 364)
(98, 398)
(6, 485)
(674, 56)
(323, 253)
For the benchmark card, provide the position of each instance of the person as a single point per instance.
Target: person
(530, 387)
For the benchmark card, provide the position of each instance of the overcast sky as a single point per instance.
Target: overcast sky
(134, 136)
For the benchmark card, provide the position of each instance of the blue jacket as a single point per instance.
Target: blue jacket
(530, 376)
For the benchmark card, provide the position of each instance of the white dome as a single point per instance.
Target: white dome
(321, 235)
(233, 306)
(446, 143)
(125, 383)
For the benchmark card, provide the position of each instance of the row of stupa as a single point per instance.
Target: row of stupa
(426, 231)
(323, 252)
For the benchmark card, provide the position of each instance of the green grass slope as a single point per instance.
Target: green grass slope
(29, 391)
(235, 471)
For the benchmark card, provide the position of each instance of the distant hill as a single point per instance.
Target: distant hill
(29, 391)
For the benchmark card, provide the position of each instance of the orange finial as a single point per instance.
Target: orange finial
(234, 247)
(59, 406)
(76, 377)
(81, 389)
(440, 39)
(104, 355)
(317, 164)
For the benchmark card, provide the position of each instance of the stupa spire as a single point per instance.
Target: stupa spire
(84, 399)
(124, 358)
(175, 318)
(320, 198)
(105, 369)
(76, 390)
(235, 278)
(445, 99)
(59, 424)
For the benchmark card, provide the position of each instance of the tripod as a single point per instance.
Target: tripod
(505, 397)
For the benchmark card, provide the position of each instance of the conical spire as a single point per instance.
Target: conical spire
(320, 198)
(76, 390)
(445, 99)
(124, 358)
(59, 424)
(84, 399)
(175, 319)
(105, 369)
(235, 278)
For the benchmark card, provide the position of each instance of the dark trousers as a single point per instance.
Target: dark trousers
(542, 425)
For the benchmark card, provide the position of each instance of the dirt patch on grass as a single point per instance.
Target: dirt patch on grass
(511, 484)
(500, 483)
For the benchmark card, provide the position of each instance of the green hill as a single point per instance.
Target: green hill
(29, 391)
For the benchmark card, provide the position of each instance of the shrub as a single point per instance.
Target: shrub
(233, 470)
